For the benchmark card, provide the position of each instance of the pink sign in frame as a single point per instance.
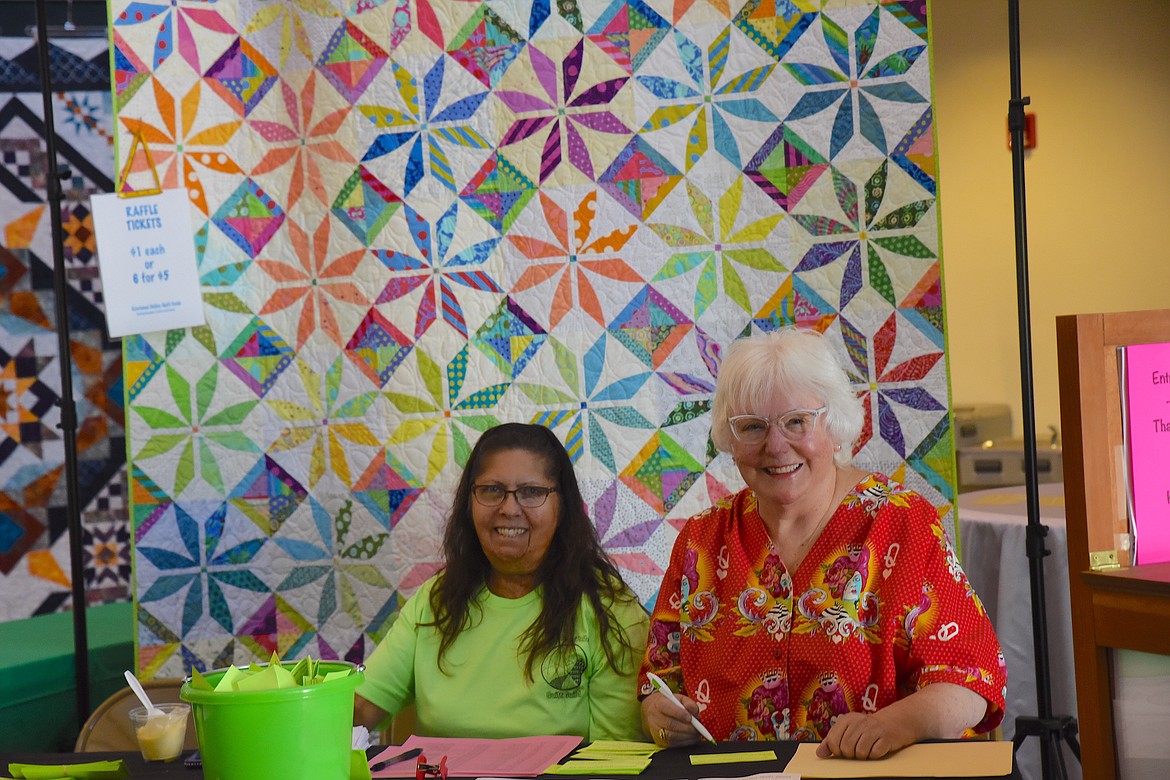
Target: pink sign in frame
(1147, 392)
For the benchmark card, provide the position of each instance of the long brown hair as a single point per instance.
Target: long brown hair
(574, 567)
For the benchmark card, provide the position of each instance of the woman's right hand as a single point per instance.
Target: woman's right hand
(666, 723)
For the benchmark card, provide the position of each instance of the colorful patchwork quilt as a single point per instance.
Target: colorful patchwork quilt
(35, 561)
(418, 218)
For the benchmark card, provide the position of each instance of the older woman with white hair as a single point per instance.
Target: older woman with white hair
(822, 602)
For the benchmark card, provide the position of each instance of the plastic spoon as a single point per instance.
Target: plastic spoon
(151, 710)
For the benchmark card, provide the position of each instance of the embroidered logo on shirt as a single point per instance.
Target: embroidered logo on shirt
(563, 670)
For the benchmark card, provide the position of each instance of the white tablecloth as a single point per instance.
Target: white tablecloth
(992, 528)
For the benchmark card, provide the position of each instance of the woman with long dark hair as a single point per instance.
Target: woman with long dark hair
(529, 628)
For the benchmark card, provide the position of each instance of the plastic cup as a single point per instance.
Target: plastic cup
(161, 738)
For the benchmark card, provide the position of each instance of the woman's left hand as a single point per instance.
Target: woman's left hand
(937, 711)
(863, 736)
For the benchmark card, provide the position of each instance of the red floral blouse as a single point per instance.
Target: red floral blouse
(878, 608)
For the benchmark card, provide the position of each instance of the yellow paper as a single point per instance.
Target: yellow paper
(300, 670)
(733, 758)
(621, 765)
(199, 682)
(273, 676)
(230, 678)
(605, 748)
(960, 759)
(94, 770)
(284, 678)
(262, 681)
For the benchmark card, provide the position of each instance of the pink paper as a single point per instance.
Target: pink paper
(1147, 375)
(518, 757)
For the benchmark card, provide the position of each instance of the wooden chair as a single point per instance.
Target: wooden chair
(400, 727)
(108, 728)
(1115, 605)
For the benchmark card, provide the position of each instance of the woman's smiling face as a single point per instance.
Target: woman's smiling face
(782, 473)
(515, 538)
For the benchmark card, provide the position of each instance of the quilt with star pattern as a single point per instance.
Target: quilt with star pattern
(415, 219)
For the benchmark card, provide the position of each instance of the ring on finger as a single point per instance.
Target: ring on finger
(662, 735)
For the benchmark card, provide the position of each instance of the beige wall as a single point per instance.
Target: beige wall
(1097, 190)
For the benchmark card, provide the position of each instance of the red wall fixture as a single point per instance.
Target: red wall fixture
(1029, 131)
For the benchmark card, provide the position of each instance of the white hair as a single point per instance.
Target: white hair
(794, 361)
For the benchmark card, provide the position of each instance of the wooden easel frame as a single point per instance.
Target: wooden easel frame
(1129, 607)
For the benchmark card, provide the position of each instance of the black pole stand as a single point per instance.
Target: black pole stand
(1049, 728)
(68, 424)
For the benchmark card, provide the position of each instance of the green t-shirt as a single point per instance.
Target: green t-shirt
(483, 691)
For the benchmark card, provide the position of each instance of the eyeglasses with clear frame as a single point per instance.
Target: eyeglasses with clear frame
(527, 496)
(794, 426)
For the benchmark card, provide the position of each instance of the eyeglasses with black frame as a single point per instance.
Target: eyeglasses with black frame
(527, 496)
(793, 426)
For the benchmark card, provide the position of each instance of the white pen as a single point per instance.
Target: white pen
(669, 694)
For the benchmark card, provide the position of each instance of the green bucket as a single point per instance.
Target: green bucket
(290, 733)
